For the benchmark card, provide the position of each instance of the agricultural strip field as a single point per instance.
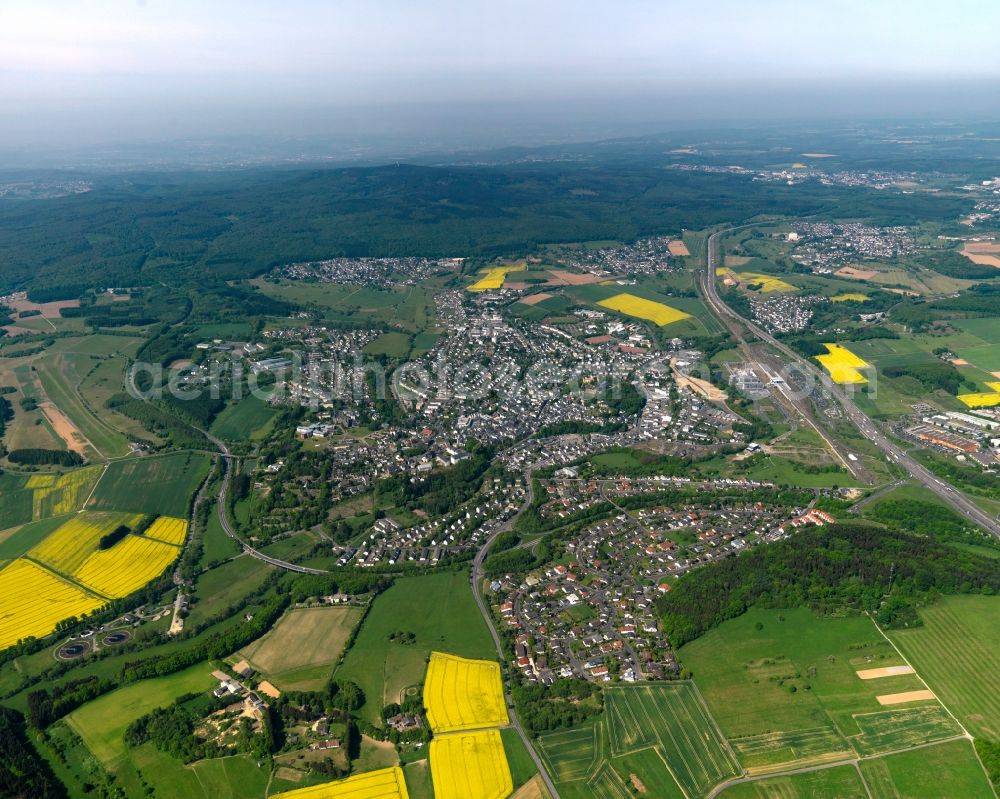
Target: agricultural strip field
(33, 601)
(789, 691)
(673, 719)
(18, 540)
(947, 769)
(60, 378)
(843, 365)
(463, 694)
(768, 283)
(387, 783)
(661, 734)
(168, 530)
(40, 496)
(157, 484)
(441, 614)
(959, 638)
(494, 278)
(838, 782)
(127, 566)
(656, 312)
(470, 764)
(301, 649)
(66, 574)
(68, 547)
(101, 723)
(982, 399)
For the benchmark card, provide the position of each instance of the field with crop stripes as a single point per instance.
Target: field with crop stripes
(470, 764)
(33, 601)
(162, 484)
(42, 496)
(463, 694)
(169, 530)
(494, 278)
(780, 747)
(72, 543)
(674, 719)
(571, 755)
(959, 637)
(843, 365)
(641, 308)
(127, 566)
(387, 783)
(662, 733)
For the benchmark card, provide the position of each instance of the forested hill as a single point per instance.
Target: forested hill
(140, 229)
(829, 568)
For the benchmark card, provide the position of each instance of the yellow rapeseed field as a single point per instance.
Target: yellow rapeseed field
(168, 529)
(33, 601)
(463, 694)
(470, 764)
(641, 308)
(127, 566)
(386, 783)
(768, 283)
(982, 399)
(494, 278)
(850, 297)
(65, 549)
(843, 365)
(55, 495)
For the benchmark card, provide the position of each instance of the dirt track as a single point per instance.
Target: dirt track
(64, 428)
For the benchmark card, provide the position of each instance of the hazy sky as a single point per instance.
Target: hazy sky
(114, 70)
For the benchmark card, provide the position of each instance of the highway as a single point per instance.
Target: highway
(477, 577)
(894, 453)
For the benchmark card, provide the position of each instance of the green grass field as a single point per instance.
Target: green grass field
(987, 329)
(439, 611)
(244, 420)
(395, 345)
(216, 545)
(944, 770)
(789, 691)
(839, 782)
(956, 652)
(101, 723)
(218, 588)
(236, 777)
(661, 733)
(522, 767)
(407, 307)
(161, 484)
(299, 652)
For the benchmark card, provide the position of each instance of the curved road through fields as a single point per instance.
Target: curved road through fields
(227, 470)
(896, 454)
(477, 577)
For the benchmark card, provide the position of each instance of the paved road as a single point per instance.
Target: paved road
(224, 517)
(894, 453)
(227, 470)
(477, 581)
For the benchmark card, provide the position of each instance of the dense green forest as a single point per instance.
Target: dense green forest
(174, 228)
(23, 774)
(830, 568)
